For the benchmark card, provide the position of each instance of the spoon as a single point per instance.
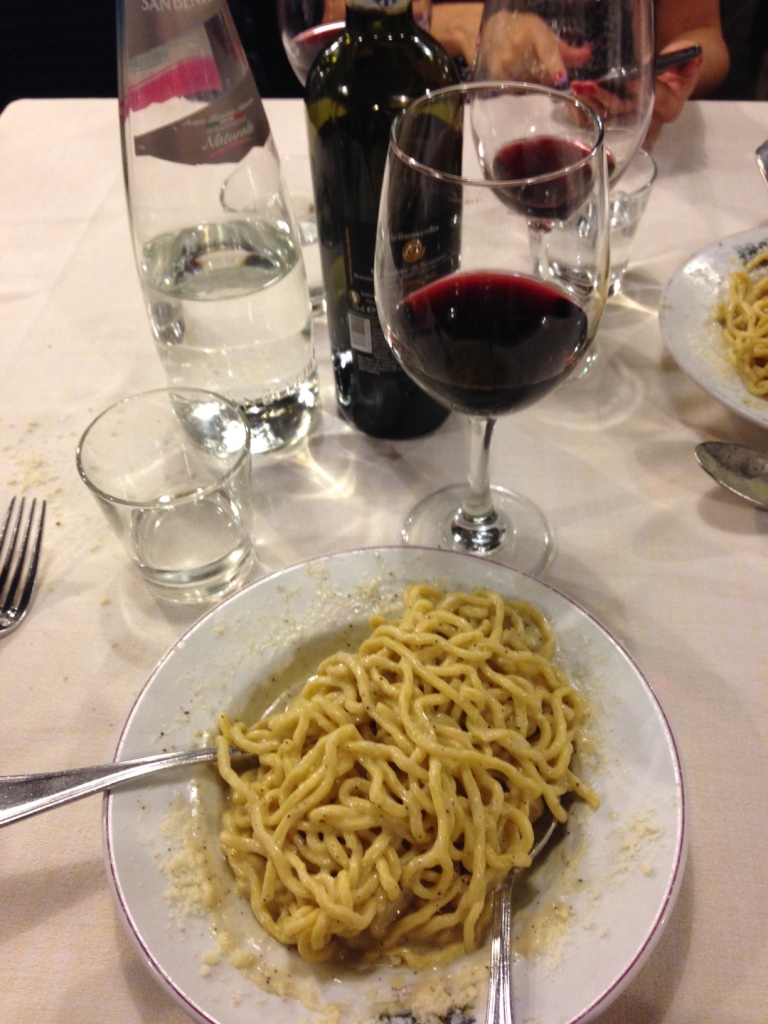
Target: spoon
(24, 795)
(739, 469)
(761, 155)
(499, 1010)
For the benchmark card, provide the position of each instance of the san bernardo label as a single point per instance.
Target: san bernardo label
(174, 51)
(222, 132)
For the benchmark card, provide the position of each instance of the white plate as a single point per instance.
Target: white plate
(690, 333)
(616, 873)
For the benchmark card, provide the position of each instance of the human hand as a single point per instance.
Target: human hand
(672, 88)
(522, 47)
(606, 103)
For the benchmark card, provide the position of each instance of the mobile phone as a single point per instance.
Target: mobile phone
(675, 57)
(622, 81)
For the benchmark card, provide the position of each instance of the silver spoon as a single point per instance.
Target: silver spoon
(739, 469)
(24, 795)
(499, 1009)
(761, 155)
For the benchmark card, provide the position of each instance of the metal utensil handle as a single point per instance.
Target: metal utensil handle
(24, 795)
(499, 1009)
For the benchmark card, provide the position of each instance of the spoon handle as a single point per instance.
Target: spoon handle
(24, 795)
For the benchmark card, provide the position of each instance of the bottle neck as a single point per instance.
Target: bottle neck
(363, 14)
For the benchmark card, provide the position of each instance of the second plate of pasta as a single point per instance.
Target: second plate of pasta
(587, 916)
(690, 330)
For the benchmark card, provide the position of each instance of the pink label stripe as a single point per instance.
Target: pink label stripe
(196, 75)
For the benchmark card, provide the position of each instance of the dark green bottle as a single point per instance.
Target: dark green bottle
(355, 89)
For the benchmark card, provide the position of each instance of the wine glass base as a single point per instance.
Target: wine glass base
(520, 537)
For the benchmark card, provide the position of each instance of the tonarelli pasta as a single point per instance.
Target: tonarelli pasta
(399, 787)
(743, 315)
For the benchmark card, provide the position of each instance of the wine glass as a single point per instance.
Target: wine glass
(306, 28)
(469, 169)
(599, 50)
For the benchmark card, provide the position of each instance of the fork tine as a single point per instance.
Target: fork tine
(8, 561)
(13, 586)
(5, 521)
(34, 557)
(15, 598)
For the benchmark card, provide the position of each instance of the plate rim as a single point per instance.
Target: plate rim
(681, 837)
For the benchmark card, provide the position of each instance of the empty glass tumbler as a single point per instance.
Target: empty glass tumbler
(170, 470)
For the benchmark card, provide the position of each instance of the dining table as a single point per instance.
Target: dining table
(674, 567)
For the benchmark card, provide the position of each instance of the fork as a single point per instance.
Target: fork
(18, 567)
(500, 1009)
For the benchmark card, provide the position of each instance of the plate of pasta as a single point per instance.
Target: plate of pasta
(392, 724)
(714, 320)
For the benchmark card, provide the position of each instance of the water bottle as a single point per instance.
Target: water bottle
(216, 244)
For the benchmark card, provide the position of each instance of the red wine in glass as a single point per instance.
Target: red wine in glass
(548, 199)
(489, 342)
(304, 47)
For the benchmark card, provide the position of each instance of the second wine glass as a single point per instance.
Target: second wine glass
(306, 28)
(600, 50)
(469, 169)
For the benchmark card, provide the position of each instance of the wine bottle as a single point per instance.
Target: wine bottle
(217, 248)
(355, 89)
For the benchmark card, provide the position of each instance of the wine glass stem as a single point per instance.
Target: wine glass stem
(476, 525)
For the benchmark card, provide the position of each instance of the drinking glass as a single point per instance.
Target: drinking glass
(171, 471)
(469, 170)
(627, 202)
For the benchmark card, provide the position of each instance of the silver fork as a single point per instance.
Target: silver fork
(18, 562)
(500, 1009)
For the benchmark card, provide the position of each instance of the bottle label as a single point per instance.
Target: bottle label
(420, 256)
(221, 132)
(427, 253)
(385, 6)
(366, 337)
(189, 49)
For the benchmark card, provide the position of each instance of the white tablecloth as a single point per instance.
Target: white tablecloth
(676, 569)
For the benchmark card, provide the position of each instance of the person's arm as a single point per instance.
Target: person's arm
(685, 22)
(682, 23)
(456, 26)
(515, 45)
(334, 10)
